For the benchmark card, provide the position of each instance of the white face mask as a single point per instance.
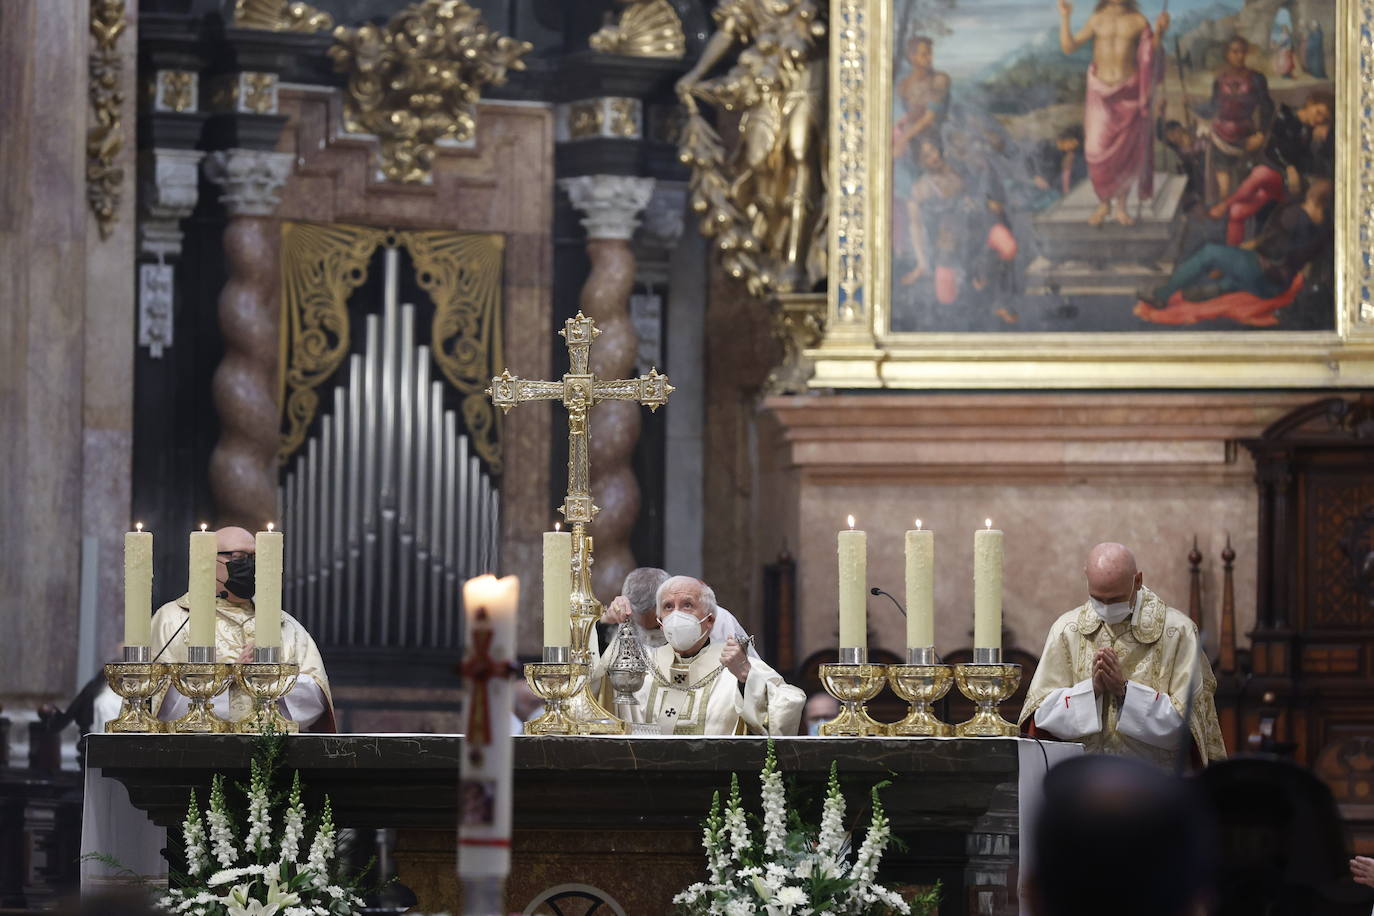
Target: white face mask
(1112, 613)
(681, 629)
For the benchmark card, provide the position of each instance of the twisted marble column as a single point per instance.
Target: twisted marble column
(610, 205)
(243, 466)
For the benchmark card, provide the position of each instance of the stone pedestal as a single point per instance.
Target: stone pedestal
(622, 816)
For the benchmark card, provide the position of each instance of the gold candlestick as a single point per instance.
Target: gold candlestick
(200, 680)
(920, 683)
(987, 682)
(137, 681)
(556, 683)
(266, 679)
(853, 682)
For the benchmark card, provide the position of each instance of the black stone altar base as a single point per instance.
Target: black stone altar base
(622, 814)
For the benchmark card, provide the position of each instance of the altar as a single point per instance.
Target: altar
(621, 816)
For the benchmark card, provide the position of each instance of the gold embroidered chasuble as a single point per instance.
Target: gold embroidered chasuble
(235, 629)
(763, 704)
(1157, 647)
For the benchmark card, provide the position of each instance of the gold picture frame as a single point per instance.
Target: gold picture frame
(859, 349)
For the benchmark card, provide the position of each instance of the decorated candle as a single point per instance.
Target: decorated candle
(557, 587)
(484, 787)
(920, 587)
(138, 586)
(202, 588)
(267, 589)
(853, 553)
(987, 588)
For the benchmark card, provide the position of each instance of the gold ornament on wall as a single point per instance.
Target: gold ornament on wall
(280, 16)
(417, 79)
(764, 202)
(105, 138)
(322, 265)
(647, 28)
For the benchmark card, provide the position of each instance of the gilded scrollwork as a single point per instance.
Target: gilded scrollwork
(320, 268)
(462, 274)
(763, 204)
(1364, 150)
(646, 28)
(323, 264)
(281, 16)
(416, 80)
(105, 138)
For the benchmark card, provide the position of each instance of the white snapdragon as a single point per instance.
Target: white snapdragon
(831, 835)
(293, 825)
(221, 834)
(322, 849)
(259, 838)
(193, 839)
(774, 806)
(736, 825)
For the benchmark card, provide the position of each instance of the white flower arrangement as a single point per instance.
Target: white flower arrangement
(793, 871)
(264, 878)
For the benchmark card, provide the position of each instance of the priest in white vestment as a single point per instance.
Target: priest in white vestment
(309, 703)
(1117, 672)
(703, 686)
(637, 603)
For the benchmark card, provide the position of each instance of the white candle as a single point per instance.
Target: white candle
(484, 803)
(987, 588)
(138, 586)
(920, 587)
(202, 588)
(557, 587)
(267, 589)
(853, 553)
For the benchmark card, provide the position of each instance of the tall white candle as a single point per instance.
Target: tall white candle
(267, 589)
(557, 587)
(202, 588)
(987, 588)
(853, 554)
(484, 803)
(920, 587)
(138, 586)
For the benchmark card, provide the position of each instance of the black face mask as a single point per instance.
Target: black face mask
(242, 576)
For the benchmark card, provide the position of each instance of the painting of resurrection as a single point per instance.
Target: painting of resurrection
(1129, 165)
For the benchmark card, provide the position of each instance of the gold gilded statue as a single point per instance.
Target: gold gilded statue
(764, 204)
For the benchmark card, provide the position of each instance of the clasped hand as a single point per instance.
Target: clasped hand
(1107, 676)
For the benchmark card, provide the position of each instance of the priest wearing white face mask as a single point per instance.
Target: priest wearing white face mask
(707, 687)
(1117, 671)
(637, 603)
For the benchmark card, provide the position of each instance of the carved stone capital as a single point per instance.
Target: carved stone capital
(168, 187)
(251, 179)
(610, 204)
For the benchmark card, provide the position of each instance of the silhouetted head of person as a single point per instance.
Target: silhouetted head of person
(1107, 818)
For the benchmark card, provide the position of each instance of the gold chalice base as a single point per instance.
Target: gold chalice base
(987, 686)
(200, 683)
(853, 686)
(556, 685)
(920, 686)
(137, 683)
(266, 683)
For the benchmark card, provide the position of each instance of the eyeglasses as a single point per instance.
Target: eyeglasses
(234, 554)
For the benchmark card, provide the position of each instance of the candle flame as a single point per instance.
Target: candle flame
(918, 524)
(851, 523)
(203, 526)
(138, 526)
(557, 526)
(988, 523)
(269, 526)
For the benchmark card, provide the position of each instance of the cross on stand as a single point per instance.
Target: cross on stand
(579, 391)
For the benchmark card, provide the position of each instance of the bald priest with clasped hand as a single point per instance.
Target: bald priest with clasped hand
(1117, 672)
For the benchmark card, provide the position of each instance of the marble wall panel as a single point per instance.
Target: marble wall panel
(502, 183)
(1058, 473)
(66, 323)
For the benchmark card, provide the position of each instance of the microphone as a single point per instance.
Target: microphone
(877, 591)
